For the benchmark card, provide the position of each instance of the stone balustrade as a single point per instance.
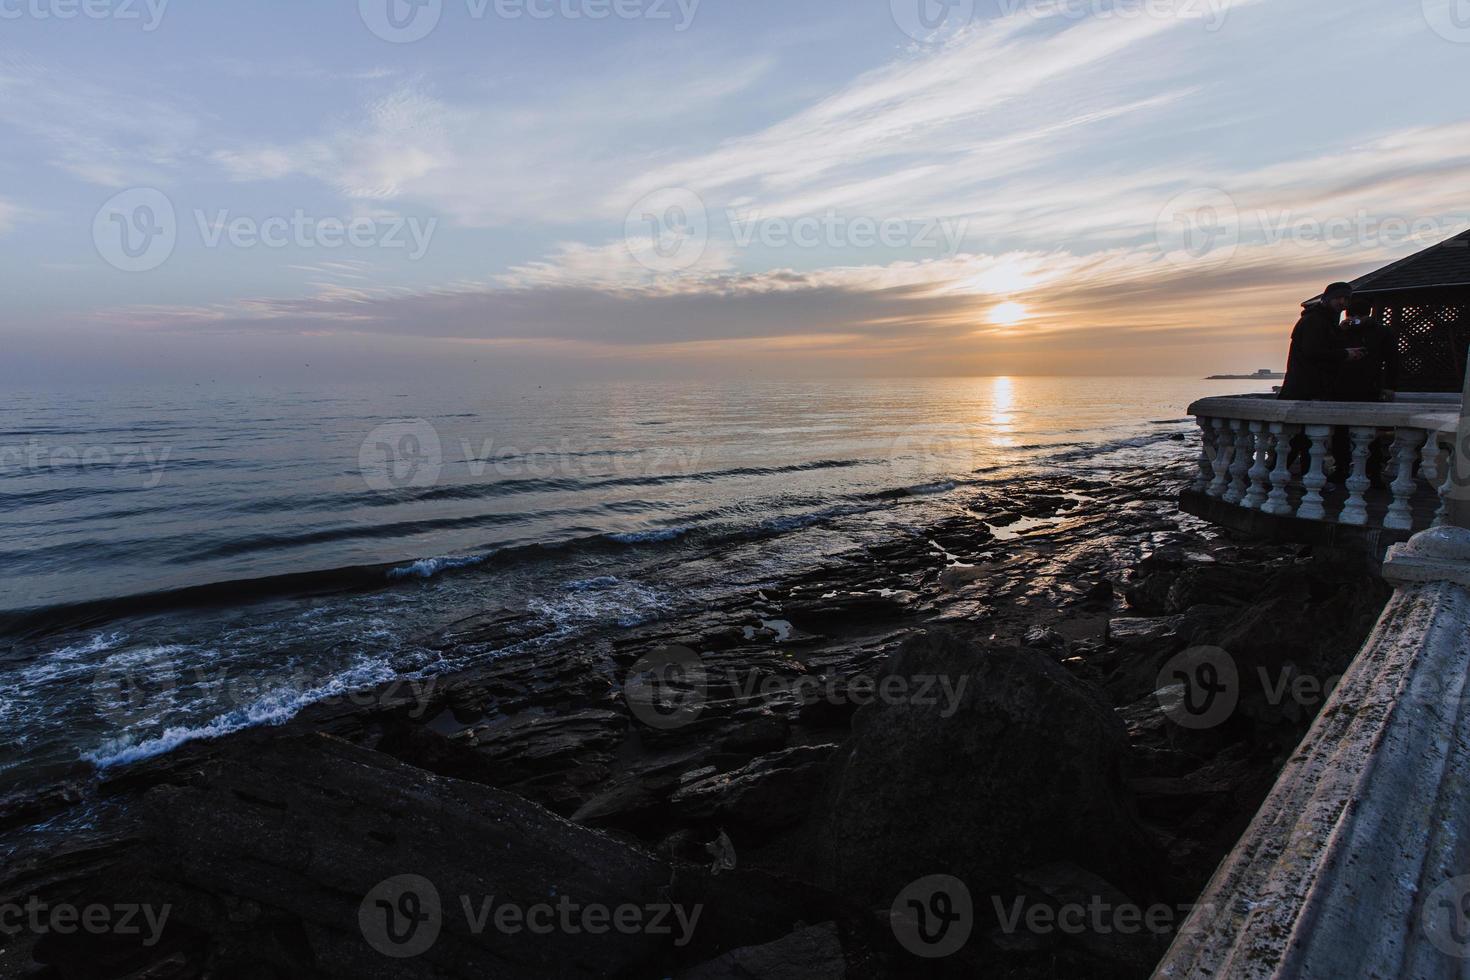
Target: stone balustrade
(1358, 863)
(1271, 457)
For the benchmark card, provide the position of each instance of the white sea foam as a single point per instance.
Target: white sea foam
(601, 600)
(929, 489)
(590, 584)
(274, 708)
(429, 567)
(648, 537)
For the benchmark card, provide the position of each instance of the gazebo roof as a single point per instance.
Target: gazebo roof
(1442, 266)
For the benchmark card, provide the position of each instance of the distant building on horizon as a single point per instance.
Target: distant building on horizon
(1262, 374)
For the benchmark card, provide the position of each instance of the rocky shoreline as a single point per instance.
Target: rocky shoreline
(768, 789)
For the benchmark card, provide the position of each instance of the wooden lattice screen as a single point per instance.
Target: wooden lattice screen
(1432, 340)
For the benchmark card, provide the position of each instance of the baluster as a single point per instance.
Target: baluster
(1429, 459)
(1355, 511)
(1311, 508)
(1240, 462)
(1206, 456)
(1279, 502)
(1400, 514)
(1447, 488)
(1224, 449)
(1260, 476)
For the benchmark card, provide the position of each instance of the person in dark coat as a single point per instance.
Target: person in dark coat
(1370, 378)
(1316, 353)
(1374, 376)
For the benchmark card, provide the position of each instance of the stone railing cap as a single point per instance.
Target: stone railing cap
(1440, 554)
(1437, 416)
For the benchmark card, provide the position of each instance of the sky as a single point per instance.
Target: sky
(545, 189)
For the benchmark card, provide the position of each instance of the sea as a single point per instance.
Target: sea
(177, 563)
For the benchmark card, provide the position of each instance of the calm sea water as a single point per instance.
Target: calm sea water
(178, 563)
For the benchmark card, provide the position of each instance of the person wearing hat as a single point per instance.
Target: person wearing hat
(1316, 351)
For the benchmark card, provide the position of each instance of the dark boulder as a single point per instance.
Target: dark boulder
(773, 792)
(1023, 769)
(308, 856)
(814, 953)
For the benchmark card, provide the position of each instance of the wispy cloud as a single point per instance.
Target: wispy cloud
(103, 134)
(497, 157)
(9, 216)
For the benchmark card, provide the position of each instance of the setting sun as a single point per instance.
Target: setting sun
(1008, 314)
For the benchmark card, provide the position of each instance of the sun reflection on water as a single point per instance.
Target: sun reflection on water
(1002, 412)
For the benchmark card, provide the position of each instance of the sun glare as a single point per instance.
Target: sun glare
(1008, 314)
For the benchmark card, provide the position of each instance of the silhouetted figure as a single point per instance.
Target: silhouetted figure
(1370, 378)
(1316, 353)
(1374, 376)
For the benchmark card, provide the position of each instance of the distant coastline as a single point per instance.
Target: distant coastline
(1264, 374)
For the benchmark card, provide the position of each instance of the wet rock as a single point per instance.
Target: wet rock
(773, 792)
(1026, 769)
(831, 711)
(843, 609)
(1113, 927)
(814, 953)
(1173, 590)
(1046, 640)
(548, 741)
(630, 805)
(283, 857)
(1099, 593)
(1170, 797)
(956, 577)
(683, 846)
(764, 733)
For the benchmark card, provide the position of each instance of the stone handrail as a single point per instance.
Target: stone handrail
(1268, 455)
(1358, 863)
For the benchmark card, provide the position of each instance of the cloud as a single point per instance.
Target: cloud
(402, 137)
(497, 158)
(103, 135)
(1023, 100)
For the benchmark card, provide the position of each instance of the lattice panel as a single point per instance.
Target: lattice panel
(1432, 343)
